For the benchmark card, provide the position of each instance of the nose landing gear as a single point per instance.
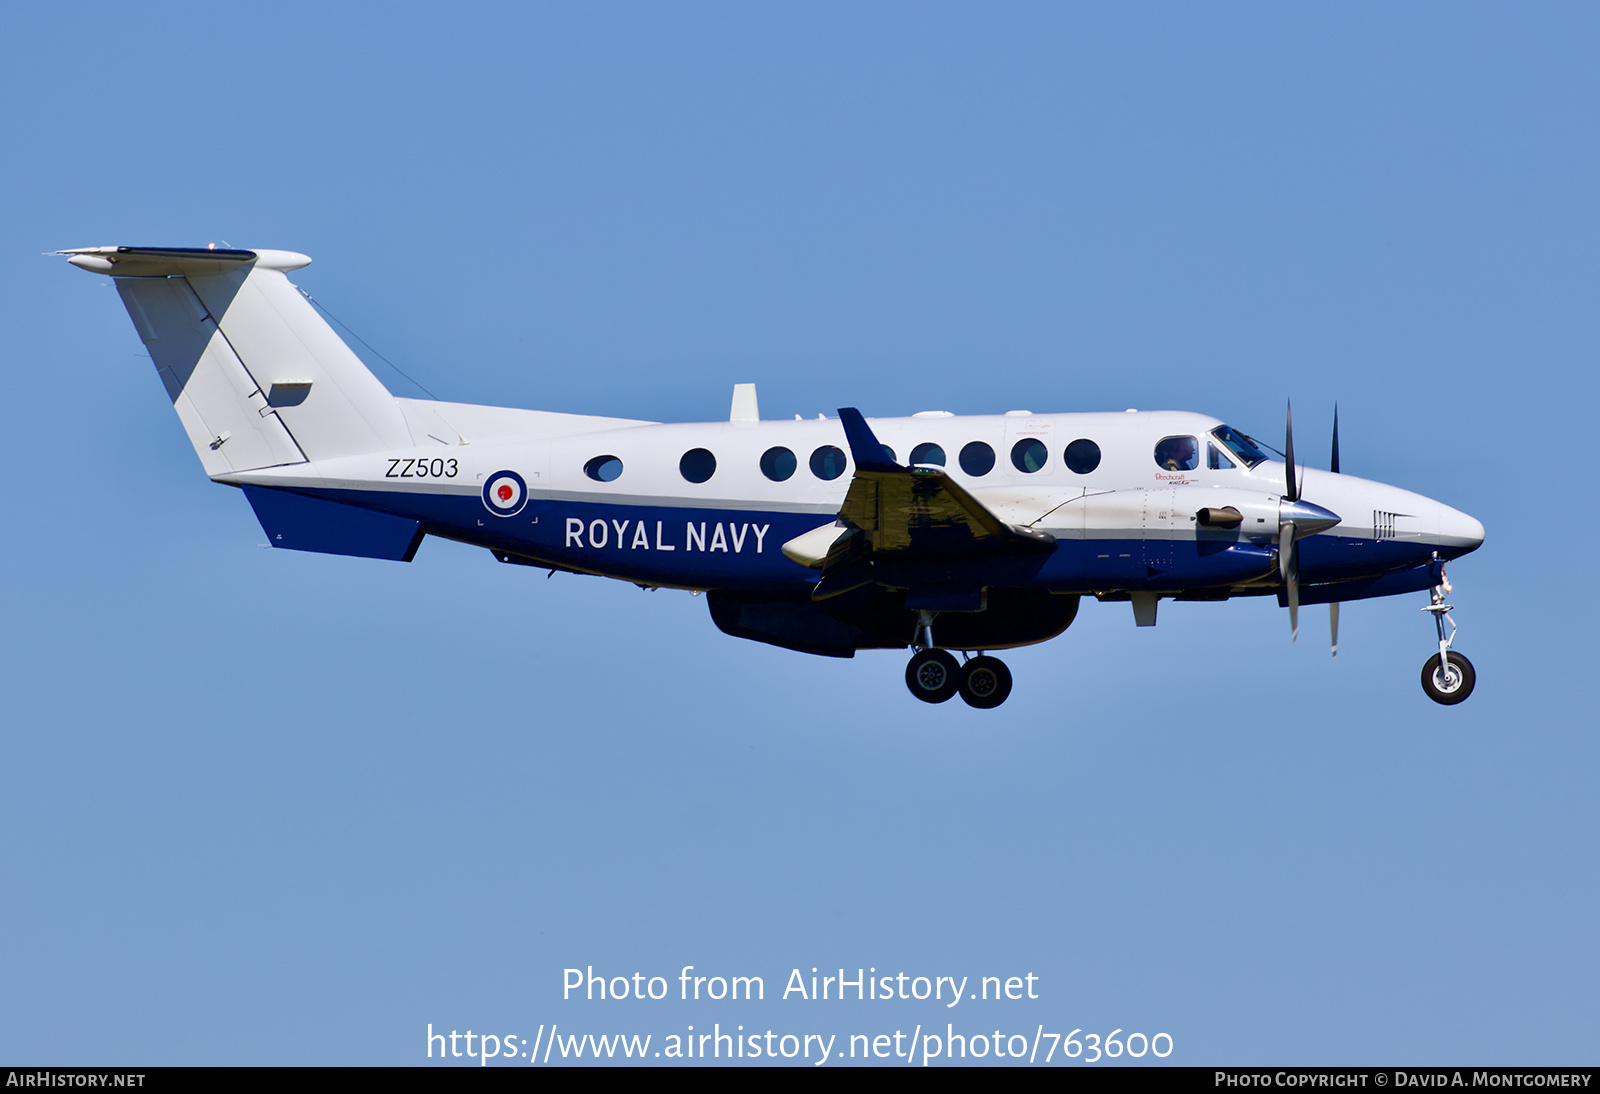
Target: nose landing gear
(934, 675)
(1448, 677)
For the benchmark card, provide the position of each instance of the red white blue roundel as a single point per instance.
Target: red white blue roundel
(505, 493)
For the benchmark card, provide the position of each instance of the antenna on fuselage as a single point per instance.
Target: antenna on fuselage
(744, 408)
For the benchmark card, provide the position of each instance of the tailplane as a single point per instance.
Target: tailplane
(256, 375)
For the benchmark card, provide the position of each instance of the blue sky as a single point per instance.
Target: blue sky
(273, 807)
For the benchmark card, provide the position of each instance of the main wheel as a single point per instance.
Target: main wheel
(985, 682)
(933, 676)
(1448, 687)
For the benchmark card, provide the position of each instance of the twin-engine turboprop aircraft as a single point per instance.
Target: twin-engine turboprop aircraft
(934, 532)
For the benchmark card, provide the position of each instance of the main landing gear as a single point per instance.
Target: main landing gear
(1447, 677)
(934, 675)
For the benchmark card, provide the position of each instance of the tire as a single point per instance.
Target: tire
(933, 676)
(985, 682)
(1454, 690)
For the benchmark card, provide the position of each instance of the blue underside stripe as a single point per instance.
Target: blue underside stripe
(742, 549)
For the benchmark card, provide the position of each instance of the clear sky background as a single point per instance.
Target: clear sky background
(263, 806)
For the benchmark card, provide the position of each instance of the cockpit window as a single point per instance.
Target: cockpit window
(1177, 454)
(1239, 445)
(1216, 461)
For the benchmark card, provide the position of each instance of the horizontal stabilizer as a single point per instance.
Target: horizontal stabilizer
(311, 524)
(177, 261)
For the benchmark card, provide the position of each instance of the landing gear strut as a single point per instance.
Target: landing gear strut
(934, 675)
(1447, 677)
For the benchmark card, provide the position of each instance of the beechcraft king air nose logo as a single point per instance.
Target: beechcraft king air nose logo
(505, 493)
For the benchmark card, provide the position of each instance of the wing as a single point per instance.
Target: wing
(905, 515)
(923, 511)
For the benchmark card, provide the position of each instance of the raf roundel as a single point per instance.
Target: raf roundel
(505, 494)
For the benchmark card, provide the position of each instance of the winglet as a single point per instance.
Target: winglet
(865, 449)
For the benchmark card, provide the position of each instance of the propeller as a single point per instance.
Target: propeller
(1297, 519)
(1333, 465)
(1288, 552)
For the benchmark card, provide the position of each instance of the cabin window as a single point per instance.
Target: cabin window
(697, 465)
(1029, 455)
(1216, 461)
(1177, 454)
(977, 459)
(927, 454)
(827, 462)
(1239, 445)
(778, 463)
(1082, 456)
(603, 469)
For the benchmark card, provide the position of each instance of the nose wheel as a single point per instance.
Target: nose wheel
(1448, 682)
(1447, 677)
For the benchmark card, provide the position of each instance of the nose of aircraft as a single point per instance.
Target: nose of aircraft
(1459, 532)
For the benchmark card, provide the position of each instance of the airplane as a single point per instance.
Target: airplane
(937, 533)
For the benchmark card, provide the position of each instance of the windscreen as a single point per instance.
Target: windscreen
(1239, 445)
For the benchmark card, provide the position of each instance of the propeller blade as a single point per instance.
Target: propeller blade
(1333, 464)
(1289, 571)
(1294, 609)
(1294, 593)
(1333, 625)
(1291, 487)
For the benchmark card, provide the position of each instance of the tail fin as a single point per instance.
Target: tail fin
(256, 375)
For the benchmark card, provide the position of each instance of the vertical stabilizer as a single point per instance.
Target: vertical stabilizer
(256, 375)
(222, 408)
